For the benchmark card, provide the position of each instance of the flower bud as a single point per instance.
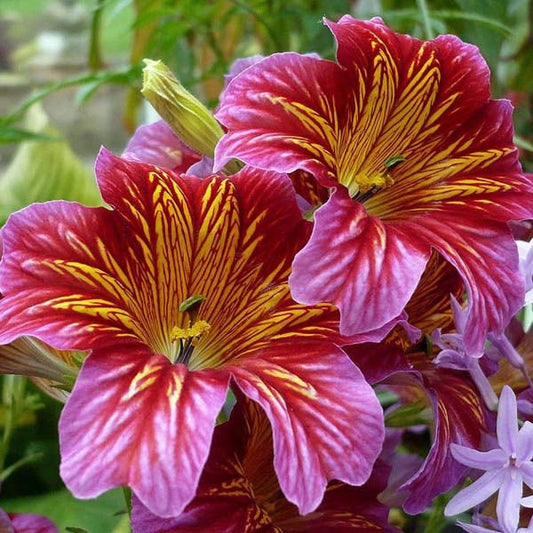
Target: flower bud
(184, 113)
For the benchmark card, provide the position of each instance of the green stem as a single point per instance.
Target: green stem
(21, 462)
(436, 521)
(13, 390)
(95, 53)
(127, 497)
(426, 20)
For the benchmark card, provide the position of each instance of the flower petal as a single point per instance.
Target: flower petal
(5, 522)
(226, 499)
(158, 144)
(525, 442)
(459, 416)
(508, 504)
(472, 528)
(322, 412)
(485, 255)
(347, 508)
(134, 419)
(85, 278)
(507, 423)
(272, 113)
(367, 269)
(475, 493)
(481, 460)
(31, 523)
(526, 469)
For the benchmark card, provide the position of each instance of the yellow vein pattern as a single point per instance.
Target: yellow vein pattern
(166, 239)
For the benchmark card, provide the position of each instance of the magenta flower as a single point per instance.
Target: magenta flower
(239, 493)
(419, 156)
(507, 467)
(158, 144)
(458, 413)
(178, 289)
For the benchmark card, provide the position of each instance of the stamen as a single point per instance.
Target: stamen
(188, 338)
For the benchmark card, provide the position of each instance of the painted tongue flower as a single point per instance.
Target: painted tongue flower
(178, 289)
(420, 159)
(507, 467)
(239, 492)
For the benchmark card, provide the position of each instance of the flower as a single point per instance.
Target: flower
(177, 289)
(455, 355)
(419, 158)
(507, 467)
(158, 144)
(54, 371)
(239, 492)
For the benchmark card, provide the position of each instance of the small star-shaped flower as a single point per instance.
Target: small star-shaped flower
(507, 467)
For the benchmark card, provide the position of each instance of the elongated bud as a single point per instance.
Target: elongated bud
(184, 113)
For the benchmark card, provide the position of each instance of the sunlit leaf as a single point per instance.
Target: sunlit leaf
(101, 514)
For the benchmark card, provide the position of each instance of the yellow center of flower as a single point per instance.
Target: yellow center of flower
(187, 338)
(364, 183)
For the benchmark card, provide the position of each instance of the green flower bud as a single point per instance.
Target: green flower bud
(184, 113)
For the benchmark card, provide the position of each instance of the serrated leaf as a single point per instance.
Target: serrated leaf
(45, 170)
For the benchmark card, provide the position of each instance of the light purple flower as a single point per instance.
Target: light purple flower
(456, 355)
(507, 467)
(472, 528)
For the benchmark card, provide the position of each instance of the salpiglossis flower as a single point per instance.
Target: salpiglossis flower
(420, 158)
(239, 492)
(177, 289)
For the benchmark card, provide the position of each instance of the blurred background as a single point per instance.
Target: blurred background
(70, 75)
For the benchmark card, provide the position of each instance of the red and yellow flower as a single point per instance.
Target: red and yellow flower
(239, 491)
(419, 157)
(177, 289)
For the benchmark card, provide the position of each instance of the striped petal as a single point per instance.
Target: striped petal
(322, 412)
(85, 278)
(158, 144)
(228, 498)
(239, 492)
(459, 417)
(113, 280)
(486, 257)
(369, 271)
(407, 129)
(134, 419)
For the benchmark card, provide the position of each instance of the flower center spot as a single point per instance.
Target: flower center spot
(188, 338)
(366, 185)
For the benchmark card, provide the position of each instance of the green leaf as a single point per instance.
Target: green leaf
(15, 135)
(45, 170)
(412, 414)
(523, 143)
